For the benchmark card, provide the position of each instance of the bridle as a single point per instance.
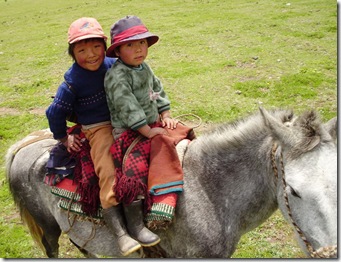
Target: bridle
(323, 252)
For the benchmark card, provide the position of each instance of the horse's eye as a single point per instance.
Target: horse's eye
(290, 116)
(294, 193)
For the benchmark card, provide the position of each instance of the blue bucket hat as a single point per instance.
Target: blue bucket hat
(127, 29)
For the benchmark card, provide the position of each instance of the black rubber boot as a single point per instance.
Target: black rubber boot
(135, 225)
(114, 221)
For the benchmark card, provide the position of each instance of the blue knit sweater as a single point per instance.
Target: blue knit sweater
(86, 98)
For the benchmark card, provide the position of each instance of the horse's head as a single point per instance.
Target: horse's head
(307, 182)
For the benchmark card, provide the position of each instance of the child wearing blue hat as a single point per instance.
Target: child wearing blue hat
(139, 107)
(129, 82)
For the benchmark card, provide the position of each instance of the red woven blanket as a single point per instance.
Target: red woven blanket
(151, 169)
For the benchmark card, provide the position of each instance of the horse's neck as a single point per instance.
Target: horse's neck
(238, 178)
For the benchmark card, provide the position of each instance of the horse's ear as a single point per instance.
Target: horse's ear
(309, 124)
(281, 131)
(302, 135)
(331, 127)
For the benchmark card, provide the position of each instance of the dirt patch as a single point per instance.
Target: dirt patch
(9, 111)
(15, 112)
(38, 111)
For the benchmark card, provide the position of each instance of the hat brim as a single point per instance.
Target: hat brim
(87, 37)
(152, 39)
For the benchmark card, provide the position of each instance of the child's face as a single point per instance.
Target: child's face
(133, 53)
(89, 54)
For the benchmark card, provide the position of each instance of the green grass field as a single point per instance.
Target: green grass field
(217, 59)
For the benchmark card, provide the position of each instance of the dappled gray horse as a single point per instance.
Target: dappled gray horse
(235, 177)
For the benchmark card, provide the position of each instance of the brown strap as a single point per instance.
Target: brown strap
(132, 145)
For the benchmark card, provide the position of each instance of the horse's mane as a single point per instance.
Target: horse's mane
(242, 130)
(307, 132)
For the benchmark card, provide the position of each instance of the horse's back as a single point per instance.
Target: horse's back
(26, 161)
(25, 168)
(29, 156)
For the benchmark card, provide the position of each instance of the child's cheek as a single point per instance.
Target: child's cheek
(81, 61)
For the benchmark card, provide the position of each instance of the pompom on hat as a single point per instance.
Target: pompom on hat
(85, 28)
(127, 29)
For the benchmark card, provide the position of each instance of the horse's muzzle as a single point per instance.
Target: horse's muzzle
(325, 252)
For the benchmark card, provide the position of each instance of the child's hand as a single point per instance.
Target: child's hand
(169, 122)
(73, 143)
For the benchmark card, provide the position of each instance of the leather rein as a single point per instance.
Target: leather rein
(323, 252)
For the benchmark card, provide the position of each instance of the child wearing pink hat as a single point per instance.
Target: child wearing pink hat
(82, 92)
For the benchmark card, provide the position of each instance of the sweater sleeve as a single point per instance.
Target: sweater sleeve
(163, 102)
(59, 109)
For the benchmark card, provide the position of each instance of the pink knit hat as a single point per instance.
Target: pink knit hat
(127, 29)
(84, 28)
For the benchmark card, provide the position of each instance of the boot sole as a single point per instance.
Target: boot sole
(132, 250)
(150, 244)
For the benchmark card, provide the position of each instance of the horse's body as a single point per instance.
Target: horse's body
(230, 188)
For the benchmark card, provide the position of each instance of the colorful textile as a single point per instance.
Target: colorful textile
(150, 170)
(165, 177)
(59, 165)
(162, 211)
(84, 175)
(131, 170)
(87, 180)
(155, 162)
(69, 198)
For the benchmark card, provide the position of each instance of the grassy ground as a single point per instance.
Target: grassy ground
(217, 59)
